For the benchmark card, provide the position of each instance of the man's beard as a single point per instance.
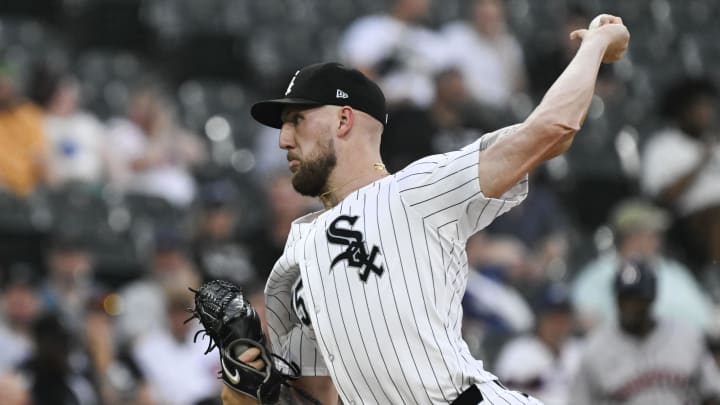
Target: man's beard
(312, 175)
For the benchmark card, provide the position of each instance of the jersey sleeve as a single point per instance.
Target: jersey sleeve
(290, 338)
(299, 347)
(446, 188)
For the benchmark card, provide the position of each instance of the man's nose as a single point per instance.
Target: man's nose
(287, 137)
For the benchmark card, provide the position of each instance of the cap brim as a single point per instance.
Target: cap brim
(270, 112)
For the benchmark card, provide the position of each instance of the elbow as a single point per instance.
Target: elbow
(556, 134)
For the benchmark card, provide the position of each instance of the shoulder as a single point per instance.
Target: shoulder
(667, 139)
(522, 358)
(600, 269)
(510, 41)
(151, 342)
(684, 332)
(122, 129)
(308, 218)
(523, 346)
(598, 341)
(371, 24)
(86, 118)
(456, 29)
(424, 164)
(671, 267)
(29, 109)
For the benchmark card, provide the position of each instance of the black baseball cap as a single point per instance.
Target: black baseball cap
(324, 84)
(636, 278)
(553, 297)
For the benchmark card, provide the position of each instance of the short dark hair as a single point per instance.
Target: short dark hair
(578, 10)
(683, 93)
(45, 80)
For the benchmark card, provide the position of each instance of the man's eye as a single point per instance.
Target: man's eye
(296, 119)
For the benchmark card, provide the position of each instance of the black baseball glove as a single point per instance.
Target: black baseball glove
(234, 327)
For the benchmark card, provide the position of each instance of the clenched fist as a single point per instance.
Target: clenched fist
(609, 29)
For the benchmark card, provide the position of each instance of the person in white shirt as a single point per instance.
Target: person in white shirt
(488, 55)
(639, 228)
(544, 363)
(176, 369)
(681, 165)
(77, 138)
(397, 51)
(151, 153)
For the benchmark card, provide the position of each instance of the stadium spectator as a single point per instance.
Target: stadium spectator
(451, 121)
(713, 342)
(13, 390)
(543, 363)
(76, 150)
(458, 119)
(488, 55)
(546, 58)
(681, 166)
(541, 223)
(284, 205)
(22, 140)
(397, 51)
(69, 282)
(177, 369)
(151, 153)
(639, 230)
(142, 300)
(217, 249)
(119, 379)
(642, 358)
(493, 308)
(59, 372)
(20, 307)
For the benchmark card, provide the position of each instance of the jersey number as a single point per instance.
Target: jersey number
(299, 303)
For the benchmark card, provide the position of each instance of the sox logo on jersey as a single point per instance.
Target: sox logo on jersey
(356, 253)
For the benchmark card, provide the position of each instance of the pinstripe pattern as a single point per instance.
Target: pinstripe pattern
(394, 338)
(495, 394)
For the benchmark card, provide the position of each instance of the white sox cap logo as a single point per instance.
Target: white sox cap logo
(341, 94)
(292, 83)
(234, 377)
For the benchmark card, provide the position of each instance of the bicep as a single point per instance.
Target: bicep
(443, 189)
(514, 152)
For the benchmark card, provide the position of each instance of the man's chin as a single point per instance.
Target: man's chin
(302, 189)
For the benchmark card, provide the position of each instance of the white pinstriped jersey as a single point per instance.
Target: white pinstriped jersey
(375, 283)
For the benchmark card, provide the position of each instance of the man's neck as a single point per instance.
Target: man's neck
(337, 193)
(641, 331)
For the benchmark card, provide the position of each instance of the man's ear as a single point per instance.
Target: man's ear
(347, 118)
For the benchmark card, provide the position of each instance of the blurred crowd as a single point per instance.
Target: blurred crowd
(108, 216)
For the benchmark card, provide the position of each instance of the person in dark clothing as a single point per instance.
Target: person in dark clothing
(51, 375)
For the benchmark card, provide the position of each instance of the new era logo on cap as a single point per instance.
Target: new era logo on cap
(313, 86)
